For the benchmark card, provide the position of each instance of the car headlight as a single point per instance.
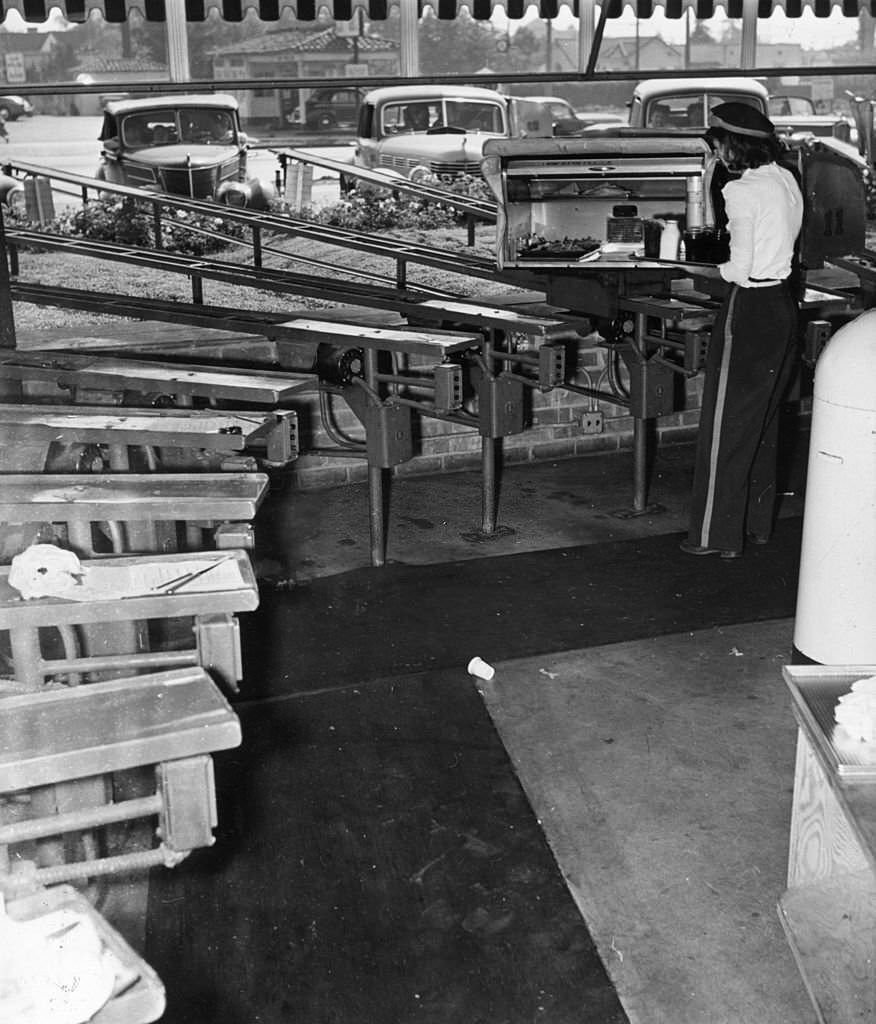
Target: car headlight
(422, 175)
(15, 202)
(234, 193)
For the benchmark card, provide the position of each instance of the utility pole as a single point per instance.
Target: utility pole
(548, 44)
(687, 38)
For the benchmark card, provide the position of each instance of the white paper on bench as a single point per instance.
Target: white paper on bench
(111, 582)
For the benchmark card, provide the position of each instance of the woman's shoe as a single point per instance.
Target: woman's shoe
(696, 549)
(757, 538)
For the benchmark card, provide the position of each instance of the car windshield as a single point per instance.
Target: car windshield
(166, 127)
(688, 111)
(791, 106)
(423, 115)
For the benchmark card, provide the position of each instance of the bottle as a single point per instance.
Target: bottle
(670, 239)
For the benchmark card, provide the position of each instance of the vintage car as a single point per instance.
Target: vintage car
(429, 131)
(14, 107)
(181, 145)
(683, 105)
(798, 114)
(437, 132)
(336, 105)
(12, 193)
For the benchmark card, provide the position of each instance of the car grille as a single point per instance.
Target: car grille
(442, 168)
(139, 177)
(199, 183)
(455, 167)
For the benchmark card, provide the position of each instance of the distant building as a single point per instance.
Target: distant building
(115, 73)
(24, 56)
(645, 53)
(729, 55)
(321, 52)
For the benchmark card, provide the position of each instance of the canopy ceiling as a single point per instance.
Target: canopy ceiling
(378, 10)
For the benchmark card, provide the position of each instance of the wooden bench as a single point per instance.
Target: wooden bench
(218, 440)
(119, 645)
(386, 419)
(222, 503)
(540, 329)
(172, 720)
(79, 372)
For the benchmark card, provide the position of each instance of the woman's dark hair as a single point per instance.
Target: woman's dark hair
(745, 151)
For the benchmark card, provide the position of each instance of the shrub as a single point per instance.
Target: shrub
(122, 219)
(378, 210)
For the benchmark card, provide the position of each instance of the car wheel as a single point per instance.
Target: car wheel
(326, 120)
(6, 113)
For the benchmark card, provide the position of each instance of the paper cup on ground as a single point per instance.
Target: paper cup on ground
(478, 667)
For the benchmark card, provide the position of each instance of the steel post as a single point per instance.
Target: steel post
(7, 317)
(376, 496)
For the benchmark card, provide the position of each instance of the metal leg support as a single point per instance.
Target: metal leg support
(376, 478)
(488, 479)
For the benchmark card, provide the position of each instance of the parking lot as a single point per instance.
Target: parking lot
(68, 143)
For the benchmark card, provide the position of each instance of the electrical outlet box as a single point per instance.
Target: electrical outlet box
(500, 407)
(592, 423)
(388, 435)
(448, 386)
(551, 366)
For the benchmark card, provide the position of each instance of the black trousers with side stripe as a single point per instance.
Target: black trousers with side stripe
(749, 364)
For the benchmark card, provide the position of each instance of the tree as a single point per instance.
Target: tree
(525, 52)
(215, 32)
(701, 33)
(461, 45)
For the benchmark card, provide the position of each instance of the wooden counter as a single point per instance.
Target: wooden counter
(828, 910)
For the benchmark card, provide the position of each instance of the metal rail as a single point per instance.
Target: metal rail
(484, 209)
(261, 223)
(418, 308)
(541, 80)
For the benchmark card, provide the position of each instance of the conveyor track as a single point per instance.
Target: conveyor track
(457, 261)
(284, 282)
(415, 309)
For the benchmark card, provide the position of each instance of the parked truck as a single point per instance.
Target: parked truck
(683, 104)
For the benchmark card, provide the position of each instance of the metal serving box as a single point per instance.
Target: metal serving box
(597, 198)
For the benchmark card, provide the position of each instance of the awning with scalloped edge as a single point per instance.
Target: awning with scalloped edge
(37, 11)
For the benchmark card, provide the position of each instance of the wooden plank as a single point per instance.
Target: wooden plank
(122, 336)
(177, 428)
(70, 370)
(47, 497)
(74, 733)
(16, 613)
(856, 798)
(411, 341)
(822, 842)
(544, 328)
(831, 929)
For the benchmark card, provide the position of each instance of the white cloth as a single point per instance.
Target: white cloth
(764, 217)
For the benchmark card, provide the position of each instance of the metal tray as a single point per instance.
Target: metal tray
(816, 689)
(562, 255)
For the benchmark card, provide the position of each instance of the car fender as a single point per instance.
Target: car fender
(11, 191)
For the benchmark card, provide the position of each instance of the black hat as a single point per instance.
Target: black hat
(741, 119)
